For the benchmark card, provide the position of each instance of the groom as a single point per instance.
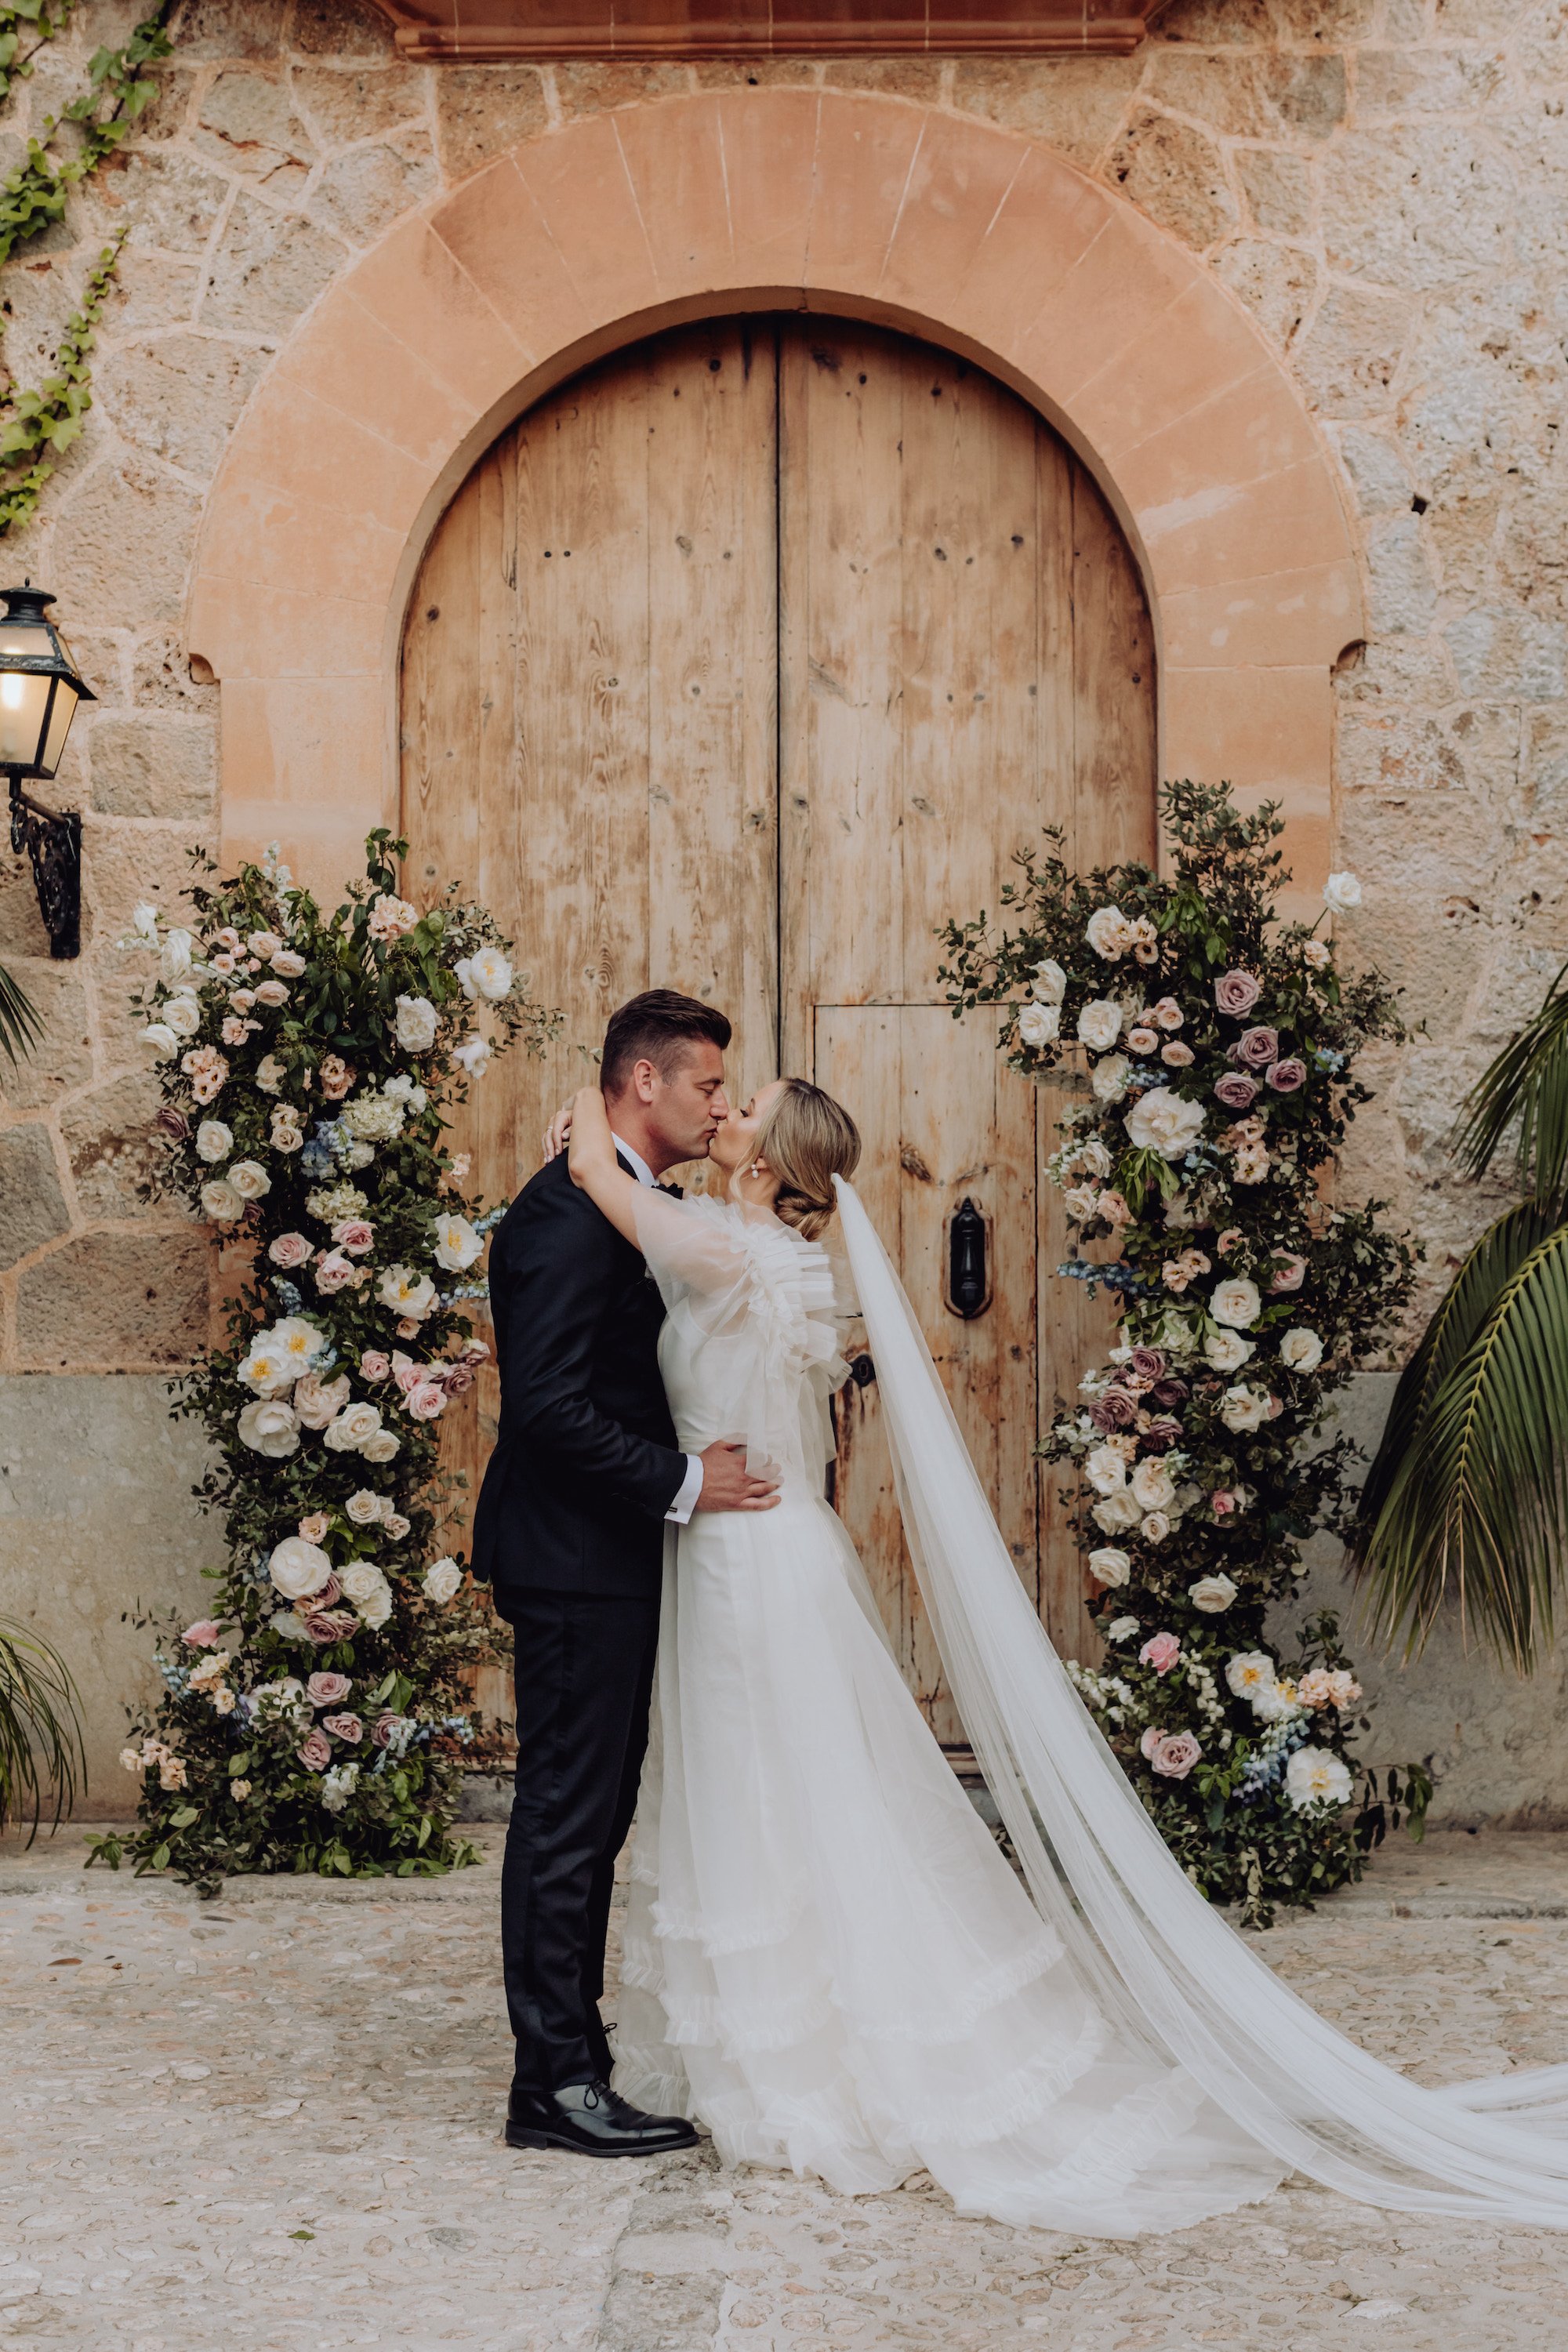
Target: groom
(569, 1528)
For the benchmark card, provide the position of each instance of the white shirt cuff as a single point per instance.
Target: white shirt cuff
(685, 1503)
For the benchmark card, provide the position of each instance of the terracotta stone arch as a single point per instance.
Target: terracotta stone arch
(589, 237)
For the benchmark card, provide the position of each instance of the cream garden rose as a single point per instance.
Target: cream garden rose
(1235, 1301)
(1039, 1026)
(442, 1579)
(1166, 1122)
(1301, 1349)
(297, 1568)
(1099, 1024)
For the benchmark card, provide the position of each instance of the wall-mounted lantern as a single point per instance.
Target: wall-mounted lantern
(39, 691)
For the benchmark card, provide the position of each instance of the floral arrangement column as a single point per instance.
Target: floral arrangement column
(315, 1718)
(1219, 1047)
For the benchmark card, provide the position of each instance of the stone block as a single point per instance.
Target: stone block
(247, 125)
(22, 928)
(154, 767)
(1404, 594)
(1376, 470)
(222, 29)
(1278, 284)
(64, 1057)
(151, 289)
(114, 1300)
(341, 28)
(1216, 24)
(343, 107)
(1278, 187)
(167, 199)
(1425, 82)
(599, 87)
(481, 111)
(920, 78)
(108, 1135)
(33, 1207)
(1252, 97)
(179, 397)
(123, 543)
(1175, 173)
(363, 193)
(1506, 652)
(1348, 357)
(160, 677)
(1416, 205)
(1074, 105)
(269, 267)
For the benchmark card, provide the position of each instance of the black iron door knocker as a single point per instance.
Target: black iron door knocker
(968, 1274)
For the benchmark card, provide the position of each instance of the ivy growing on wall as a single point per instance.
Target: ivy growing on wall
(38, 424)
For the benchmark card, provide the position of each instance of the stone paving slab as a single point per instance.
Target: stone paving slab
(271, 2124)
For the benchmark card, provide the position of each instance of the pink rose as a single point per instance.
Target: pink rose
(1291, 1274)
(234, 1031)
(202, 1634)
(1176, 1056)
(1114, 1209)
(288, 1250)
(1150, 1741)
(354, 1236)
(315, 1751)
(336, 1077)
(1258, 1048)
(373, 1365)
(230, 938)
(1222, 1502)
(1174, 1756)
(1166, 1014)
(314, 1528)
(334, 1270)
(327, 1689)
(1287, 1075)
(425, 1400)
(385, 1726)
(1161, 1651)
(1228, 1240)
(344, 1727)
(1236, 992)
(1236, 1091)
(1142, 1040)
(223, 964)
(405, 1372)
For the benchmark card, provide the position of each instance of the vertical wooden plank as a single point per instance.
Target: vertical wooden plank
(1113, 688)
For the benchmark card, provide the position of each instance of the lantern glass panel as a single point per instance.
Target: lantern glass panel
(23, 709)
(60, 723)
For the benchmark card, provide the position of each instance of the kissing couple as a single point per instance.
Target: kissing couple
(829, 1963)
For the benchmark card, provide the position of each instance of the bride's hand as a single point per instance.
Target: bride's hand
(558, 1134)
(592, 1149)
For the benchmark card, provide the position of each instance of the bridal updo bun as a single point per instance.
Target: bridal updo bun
(808, 1140)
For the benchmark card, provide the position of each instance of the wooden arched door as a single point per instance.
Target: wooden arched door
(736, 666)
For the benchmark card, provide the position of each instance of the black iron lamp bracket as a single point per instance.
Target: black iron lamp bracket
(52, 839)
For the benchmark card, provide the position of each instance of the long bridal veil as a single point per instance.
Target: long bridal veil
(1163, 1965)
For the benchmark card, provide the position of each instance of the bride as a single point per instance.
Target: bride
(829, 1963)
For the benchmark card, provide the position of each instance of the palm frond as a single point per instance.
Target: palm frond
(1475, 1500)
(40, 1730)
(21, 1027)
(1525, 1088)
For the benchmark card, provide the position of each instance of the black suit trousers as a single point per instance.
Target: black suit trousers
(584, 1670)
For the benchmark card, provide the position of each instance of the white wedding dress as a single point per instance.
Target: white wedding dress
(827, 1961)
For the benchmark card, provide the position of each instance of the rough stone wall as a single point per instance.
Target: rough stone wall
(1385, 183)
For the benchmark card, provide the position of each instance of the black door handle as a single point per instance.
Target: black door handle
(967, 1288)
(862, 1371)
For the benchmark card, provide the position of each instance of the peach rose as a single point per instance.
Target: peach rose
(314, 1529)
(336, 1077)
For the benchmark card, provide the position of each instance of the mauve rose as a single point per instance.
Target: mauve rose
(332, 1591)
(1114, 1409)
(326, 1626)
(288, 1250)
(425, 1400)
(1258, 1048)
(327, 1689)
(1236, 992)
(344, 1727)
(1161, 1651)
(1291, 1274)
(1149, 1363)
(1287, 1075)
(1160, 1434)
(1234, 1091)
(1168, 1392)
(315, 1751)
(458, 1379)
(1174, 1755)
(169, 1121)
(373, 1365)
(383, 1728)
(202, 1634)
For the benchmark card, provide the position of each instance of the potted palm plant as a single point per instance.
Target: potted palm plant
(1467, 1501)
(41, 1755)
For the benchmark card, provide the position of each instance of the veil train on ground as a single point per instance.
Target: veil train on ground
(1163, 1964)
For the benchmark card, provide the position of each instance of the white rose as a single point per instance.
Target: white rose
(1340, 893)
(1099, 1024)
(415, 1024)
(284, 1696)
(182, 1014)
(221, 1202)
(250, 1179)
(213, 1141)
(288, 964)
(1211, 1594)
(1110, 1077)
(1109, 932)
(1243, 1408)
(1096, 1157)
(1039, 1024)
(266, 1367)
(1049, 984)
(1277, 1703)
(272, 1427)
(159, 1039)
(269, 1074)
(1226, 1350)
(1118, 1514)
(1105, 1470)
(368, 1589)
(1302, 1350)
(1315, 1776)
(175, 958)
(1249, 1672)
(485, 973)
(382, 1447)
(1109, 1565)
(405, 1292)
(442, 1578)
(353, 1428)
(1080, 1200)
(473, 1054)
(297, 1568)
(1235, 1301)
(1155, 1528)
(1122, 1629)
(457, 1243)
(1164, 1122)
(1153, 1485)
(364, 1508)
(301, 1341)
(144, 920)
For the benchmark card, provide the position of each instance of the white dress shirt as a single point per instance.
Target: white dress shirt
(685, 1502)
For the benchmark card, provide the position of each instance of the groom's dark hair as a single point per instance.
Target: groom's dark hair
(656, 1027)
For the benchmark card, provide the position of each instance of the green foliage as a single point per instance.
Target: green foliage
(40, 423)
(1468, 1498)
(1219, 1046)
(40, 1730)
(307, 1061)
(21, 1028)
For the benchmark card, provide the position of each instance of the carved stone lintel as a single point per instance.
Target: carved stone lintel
(482, 32)
(53, 841)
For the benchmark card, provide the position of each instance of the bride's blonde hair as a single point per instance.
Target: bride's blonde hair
(806, 1140)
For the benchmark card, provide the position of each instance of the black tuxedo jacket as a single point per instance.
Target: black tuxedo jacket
(585, 1465)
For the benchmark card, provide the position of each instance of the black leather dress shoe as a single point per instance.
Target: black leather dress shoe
(594, 2120)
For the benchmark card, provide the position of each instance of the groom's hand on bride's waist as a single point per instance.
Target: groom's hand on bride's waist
(729, 1486)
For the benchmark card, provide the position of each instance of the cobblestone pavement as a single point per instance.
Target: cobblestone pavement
(272, 2122)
